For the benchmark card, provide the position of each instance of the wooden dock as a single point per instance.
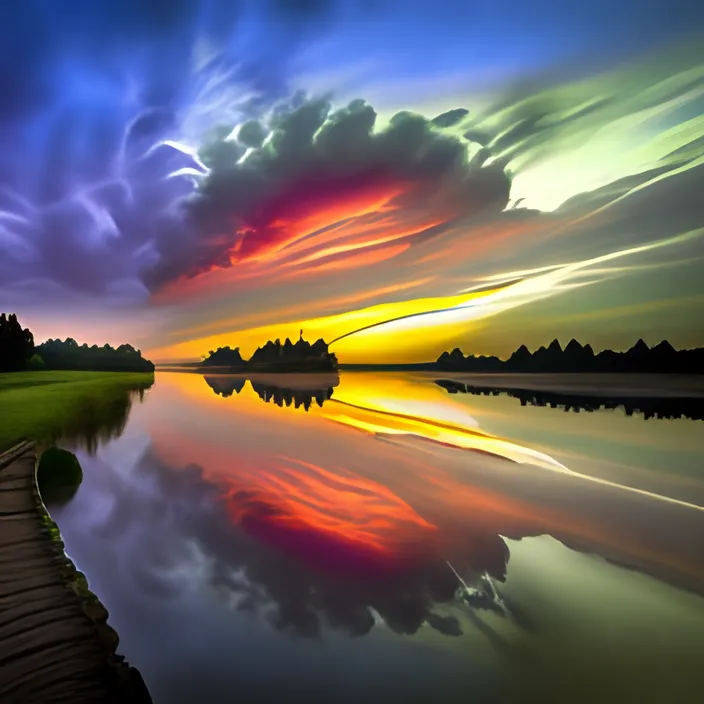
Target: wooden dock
(55, 643)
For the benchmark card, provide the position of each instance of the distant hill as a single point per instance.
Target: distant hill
(299, 357)
(577, 358)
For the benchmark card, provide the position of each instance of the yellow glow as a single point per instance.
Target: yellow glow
(329, 327)
(386, 404)
(357, 402)
(403, 405)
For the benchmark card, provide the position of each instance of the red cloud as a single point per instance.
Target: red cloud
(326, 185)
(332, 520)
(311, 204)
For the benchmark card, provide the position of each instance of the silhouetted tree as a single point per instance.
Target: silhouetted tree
(16, 344)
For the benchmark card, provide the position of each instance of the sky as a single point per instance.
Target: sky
(408, 177)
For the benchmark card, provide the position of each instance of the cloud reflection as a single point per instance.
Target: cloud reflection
(304, 547)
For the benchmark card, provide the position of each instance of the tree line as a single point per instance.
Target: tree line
(18, 352)
(576, 358)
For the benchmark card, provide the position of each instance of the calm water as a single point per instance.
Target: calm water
(384, 540)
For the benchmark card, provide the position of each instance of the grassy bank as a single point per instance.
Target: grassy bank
(77, 406)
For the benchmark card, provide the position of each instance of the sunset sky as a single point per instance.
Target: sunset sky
(187, 175)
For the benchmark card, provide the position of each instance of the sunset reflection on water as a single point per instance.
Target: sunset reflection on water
(419, 453)
(331, 491)
(234, 513)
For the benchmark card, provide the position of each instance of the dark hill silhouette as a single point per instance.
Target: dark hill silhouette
(578, 358)
(650, 407)
(69, 355)
(301, 357)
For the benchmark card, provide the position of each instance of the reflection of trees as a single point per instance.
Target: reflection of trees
(225, 385)
(279, 394)
(282, 396)
(97, 415)
(650, 407)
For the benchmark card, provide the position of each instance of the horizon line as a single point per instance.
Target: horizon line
(193, 360)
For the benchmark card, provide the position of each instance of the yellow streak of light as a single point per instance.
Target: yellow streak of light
(327, 327)
(421, 419)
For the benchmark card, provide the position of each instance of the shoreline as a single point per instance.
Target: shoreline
(57, 643)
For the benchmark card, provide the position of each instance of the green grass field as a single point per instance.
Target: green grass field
(78, 406)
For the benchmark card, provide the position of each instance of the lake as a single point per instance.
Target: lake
(387, 538)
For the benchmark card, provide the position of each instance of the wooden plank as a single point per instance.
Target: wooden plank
(55, 644)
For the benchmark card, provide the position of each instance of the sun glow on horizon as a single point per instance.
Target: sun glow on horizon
(393, 332)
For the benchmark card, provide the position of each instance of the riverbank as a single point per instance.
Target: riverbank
(55, 642)
(45, 405)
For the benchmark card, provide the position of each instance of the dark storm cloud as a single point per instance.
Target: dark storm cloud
(86, 89)
(314, 155)
(182, 506)
(450, 118)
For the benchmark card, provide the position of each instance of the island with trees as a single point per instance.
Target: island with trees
(275, 357)
(225, 357)
(18, 352)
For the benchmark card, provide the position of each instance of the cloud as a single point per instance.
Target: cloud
(557, 131)
(95, 109)
(638, 239)
(326, 185)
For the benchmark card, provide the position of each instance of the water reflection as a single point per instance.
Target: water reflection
(362, 557)
(495, 484)
(97, 415)
(218, 524)
(297, 390)
(666, 407)
(224, 386)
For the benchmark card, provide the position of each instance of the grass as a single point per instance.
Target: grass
(78, 406)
